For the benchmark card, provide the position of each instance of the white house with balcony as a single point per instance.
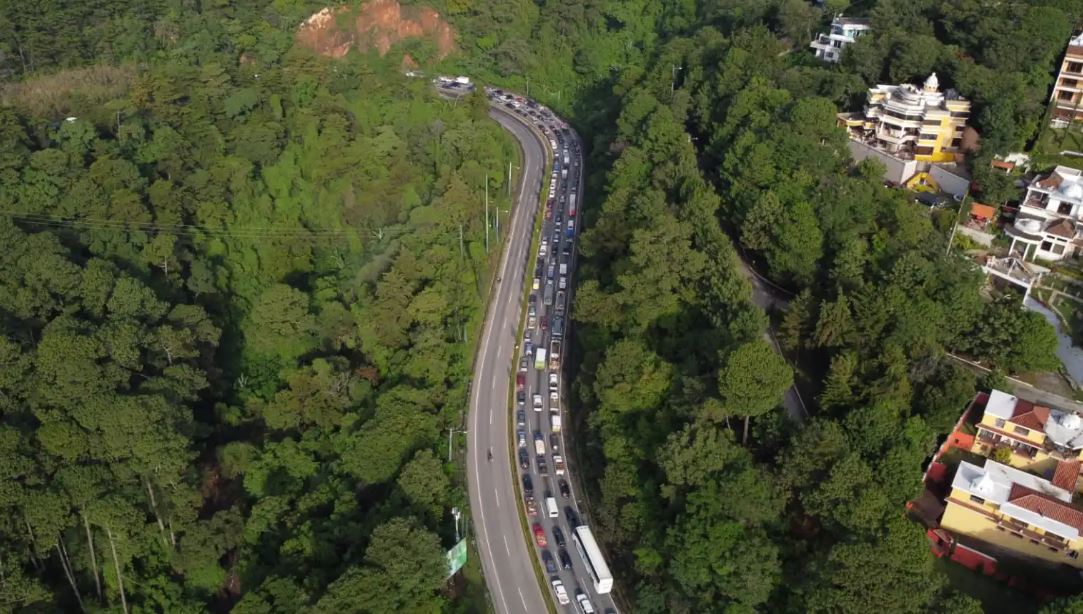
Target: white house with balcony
(844, 31)
(1048, 223)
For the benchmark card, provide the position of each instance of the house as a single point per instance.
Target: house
(1016, 511)
(844, 31)
(908, 128)
(1047, 225)
(1040, 438)
(1067, 96)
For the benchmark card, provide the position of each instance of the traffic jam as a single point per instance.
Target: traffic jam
(539, 419)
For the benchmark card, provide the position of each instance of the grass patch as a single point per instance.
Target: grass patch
(65, 92)
(1052, 141)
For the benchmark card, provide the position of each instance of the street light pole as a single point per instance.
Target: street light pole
(673, 78)
(486, 213)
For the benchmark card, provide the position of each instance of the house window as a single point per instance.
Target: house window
(1057, 249)
(1064, 208)
(1000, 423)
(1019, 535)
(1045, 247)
(1075, 67)
(1020, 430)
(1035, 542)
(956, 142)
(977, 499)
(1064, 96)
(1073, 554)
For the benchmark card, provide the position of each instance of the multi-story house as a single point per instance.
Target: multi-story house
(922, 124)
(844, 31)
(1040, 438)
(1067, 97)
(908, 128)
(1016, 511)
(1048, 223)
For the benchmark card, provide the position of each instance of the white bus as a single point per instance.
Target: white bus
(592, 556)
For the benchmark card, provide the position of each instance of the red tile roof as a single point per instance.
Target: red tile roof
(1029, 415)
(1066, 475)
(1050, 181)
(1063, 228)
(1046, 506)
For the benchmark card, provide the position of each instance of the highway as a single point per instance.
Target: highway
(506, 563)
(492, 425)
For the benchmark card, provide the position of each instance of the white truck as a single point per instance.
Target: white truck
(554, 422)
(558, 464)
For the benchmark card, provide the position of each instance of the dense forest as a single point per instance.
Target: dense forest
(711, 128)
(242, 281)
(238, 300)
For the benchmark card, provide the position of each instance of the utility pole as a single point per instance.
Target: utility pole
(486, 213)
(451, 431)
(462, 253)
(509, 177)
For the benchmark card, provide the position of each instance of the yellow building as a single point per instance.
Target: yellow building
(923, 125)
(1038, 437)
(1016, 511)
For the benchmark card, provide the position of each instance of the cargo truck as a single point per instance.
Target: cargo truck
(571, 205)
(547, 297)
(539, 359)
(554, 422)
(554, 356)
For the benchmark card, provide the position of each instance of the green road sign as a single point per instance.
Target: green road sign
(456, 558)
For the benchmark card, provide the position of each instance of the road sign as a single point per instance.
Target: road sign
(456, 558)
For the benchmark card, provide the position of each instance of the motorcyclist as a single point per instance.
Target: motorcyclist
(490, 455)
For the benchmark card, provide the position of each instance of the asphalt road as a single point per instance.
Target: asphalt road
(492, 424)
(493, 500)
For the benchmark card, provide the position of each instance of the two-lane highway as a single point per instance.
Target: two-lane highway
(495, 507)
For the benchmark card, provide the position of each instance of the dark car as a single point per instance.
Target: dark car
(558, 537)
(569, 513)
(524, 459)
(565, 491)
(520, 397)
(565, 559)
(520, 418)
(543, 467)
(524, 363)
(550, 564)
(554, 442)
(528, 488)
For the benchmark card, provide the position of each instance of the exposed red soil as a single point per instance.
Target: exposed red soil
(379, 25)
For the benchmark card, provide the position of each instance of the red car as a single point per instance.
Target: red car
(539, 536)
(520, 381)
(544, 321)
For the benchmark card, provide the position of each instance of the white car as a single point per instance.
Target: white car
(562, 594)
(584, 603)
(537, 402)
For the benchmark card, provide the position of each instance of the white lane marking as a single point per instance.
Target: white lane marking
(506, 547)
(496, 495)
(523, 599)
